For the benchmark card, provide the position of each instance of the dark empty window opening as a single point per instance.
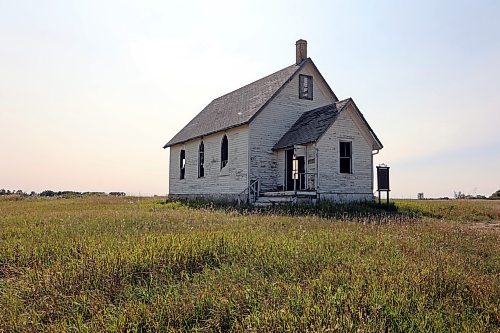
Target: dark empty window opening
(183, 164)
(345, 157)
(224, 152)
(201, 160)
(305, 87)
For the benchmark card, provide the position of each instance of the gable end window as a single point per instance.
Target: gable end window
(201, 160)
(345, 149)
(182, 165)
(224, 152)
(305, 87)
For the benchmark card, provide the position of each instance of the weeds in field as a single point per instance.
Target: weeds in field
(132, 264)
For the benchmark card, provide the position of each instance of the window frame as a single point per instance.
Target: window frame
(341, 142)
(182, 164)
(201, 160)
(224, 152)
(310, 86)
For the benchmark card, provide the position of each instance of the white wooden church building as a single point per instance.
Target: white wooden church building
(285, 137)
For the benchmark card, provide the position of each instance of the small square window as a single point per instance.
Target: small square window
(305, 87)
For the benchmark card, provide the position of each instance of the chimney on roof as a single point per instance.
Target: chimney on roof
(300, 51)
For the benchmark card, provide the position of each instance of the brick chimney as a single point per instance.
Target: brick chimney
(300, 51)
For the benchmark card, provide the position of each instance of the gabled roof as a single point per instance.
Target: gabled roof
(235, 108)
(239, 107)
(312, 124)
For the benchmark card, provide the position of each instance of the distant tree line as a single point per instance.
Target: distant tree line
(461, 195)
(49, 193)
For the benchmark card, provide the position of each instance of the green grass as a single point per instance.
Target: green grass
(486, 211)
(128, 264)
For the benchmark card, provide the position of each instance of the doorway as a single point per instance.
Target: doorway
(295, 169)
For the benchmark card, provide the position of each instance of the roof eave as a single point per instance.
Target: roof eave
(321, 76)
(173, 143)
(295, 144)
(302, 64)
(376, 139)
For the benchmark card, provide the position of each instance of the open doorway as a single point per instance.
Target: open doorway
(295, 169)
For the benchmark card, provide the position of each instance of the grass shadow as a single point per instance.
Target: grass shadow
(363, 211)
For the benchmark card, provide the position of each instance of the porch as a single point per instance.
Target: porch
(295, 179)
(267, 199)
(301, 194)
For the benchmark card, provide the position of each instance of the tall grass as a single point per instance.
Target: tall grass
(129, 264)
(486, 211)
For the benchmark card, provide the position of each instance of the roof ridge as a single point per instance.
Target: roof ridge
(253, 82)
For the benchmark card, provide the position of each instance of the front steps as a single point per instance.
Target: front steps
(268, 199)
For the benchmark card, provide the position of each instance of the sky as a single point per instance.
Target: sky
(90, 91)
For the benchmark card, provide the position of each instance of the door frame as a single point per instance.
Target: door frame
(288, 169)
(290, 183)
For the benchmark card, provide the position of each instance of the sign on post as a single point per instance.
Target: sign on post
(383, 181)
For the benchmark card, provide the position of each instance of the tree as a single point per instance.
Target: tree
(495, 195)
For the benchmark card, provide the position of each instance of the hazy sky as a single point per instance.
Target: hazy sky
(90, 91)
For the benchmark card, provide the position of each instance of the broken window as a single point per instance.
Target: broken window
(224, 152)
(201, 160)
(345, 149)
(183, 164)
(305, 87)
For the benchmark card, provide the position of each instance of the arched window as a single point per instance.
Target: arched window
(201, 160)
(224, 152)
(183, 164)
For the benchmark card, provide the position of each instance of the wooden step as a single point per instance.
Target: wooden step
(289, 194)
(271, 200)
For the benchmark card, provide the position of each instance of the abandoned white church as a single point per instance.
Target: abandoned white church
(283, 138)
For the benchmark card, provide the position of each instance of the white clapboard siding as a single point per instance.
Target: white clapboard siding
(340, 186)
(273, 122)
(230, 180)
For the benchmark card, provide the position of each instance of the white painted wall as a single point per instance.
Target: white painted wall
(340, 186)
(273, 122)
(230, 180)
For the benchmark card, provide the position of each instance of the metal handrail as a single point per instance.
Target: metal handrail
(303, 181)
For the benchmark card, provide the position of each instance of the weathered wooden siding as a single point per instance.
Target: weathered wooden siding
(274, 120)
(229, 181)
(340, 186)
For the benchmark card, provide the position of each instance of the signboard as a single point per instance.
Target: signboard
(383, 178)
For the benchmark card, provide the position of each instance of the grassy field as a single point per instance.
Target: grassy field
(128, 264)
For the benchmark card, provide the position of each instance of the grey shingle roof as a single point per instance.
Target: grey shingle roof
(235, 108)
(311, 125)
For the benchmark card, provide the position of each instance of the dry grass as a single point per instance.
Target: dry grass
(124, 264)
